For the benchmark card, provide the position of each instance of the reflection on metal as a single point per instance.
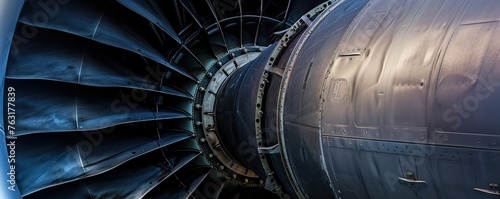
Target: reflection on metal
(486, 191)
(412, 182)
(349, 54)
(269, 150)
(254, 99)
(492, 191)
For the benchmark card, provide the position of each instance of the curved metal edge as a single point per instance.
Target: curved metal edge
(10, 9)
(288, 37)
(284, 85)
(199, 125)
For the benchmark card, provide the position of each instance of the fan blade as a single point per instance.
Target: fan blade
(189, 7)
(81, 62)
(146, 172)
(183, 186)
(82, 155)
(106, 24)
(210, 188)
(66, 107)
(152, 11)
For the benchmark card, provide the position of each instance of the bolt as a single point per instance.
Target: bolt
(209, 75)
(219, 63)
(201, 89)
(197, 106)
(198, 123)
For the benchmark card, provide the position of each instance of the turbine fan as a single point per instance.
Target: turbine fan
(106, 93)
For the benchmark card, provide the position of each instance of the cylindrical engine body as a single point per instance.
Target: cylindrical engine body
(393, 99)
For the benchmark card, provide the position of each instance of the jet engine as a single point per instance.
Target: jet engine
(346, 99)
